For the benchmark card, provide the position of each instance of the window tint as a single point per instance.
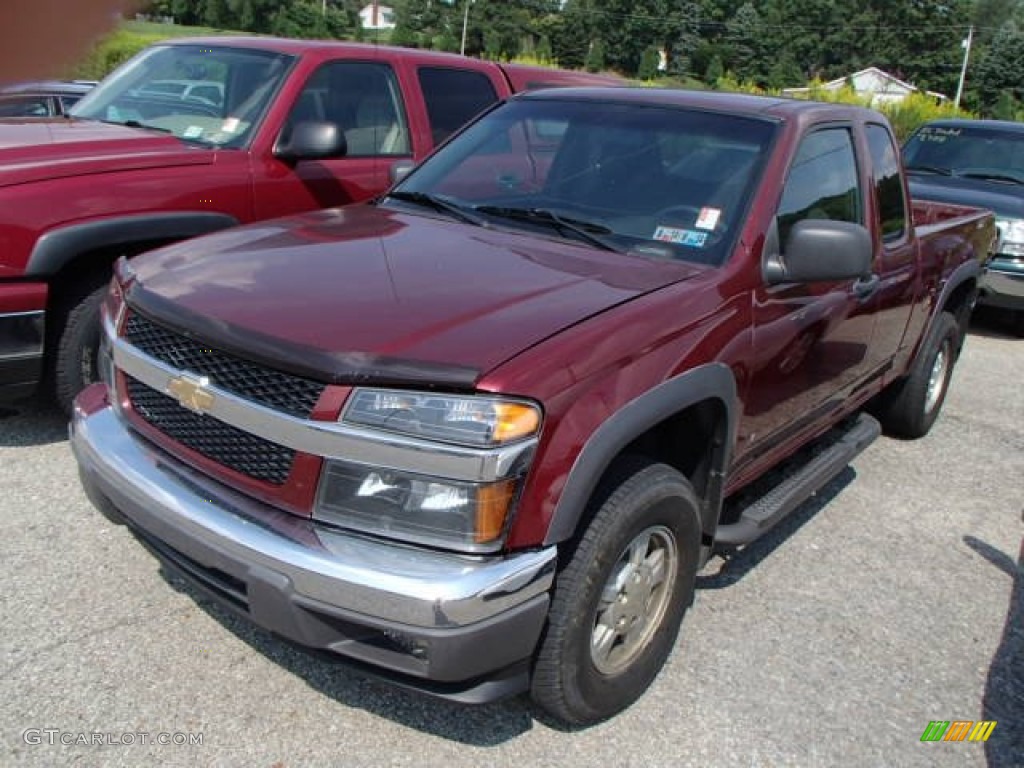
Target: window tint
(24, 106)
(362, 98)
(888, 183)
(822, 182)
(453, 96)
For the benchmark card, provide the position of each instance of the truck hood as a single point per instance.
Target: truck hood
(35, 150)
(1003, 199)
(369, 294)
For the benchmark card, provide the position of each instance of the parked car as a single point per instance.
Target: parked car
(301, 125)
(479, 436)
(48, 98)
(206, 91)
(980, 163)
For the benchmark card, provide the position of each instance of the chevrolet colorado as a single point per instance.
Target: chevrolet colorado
(479, 436)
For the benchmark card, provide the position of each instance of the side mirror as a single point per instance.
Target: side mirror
(311, 141)
(399, 170)
(820, 250)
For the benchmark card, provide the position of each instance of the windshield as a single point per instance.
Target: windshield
(657, 181)
(972, 151)
(212, 96)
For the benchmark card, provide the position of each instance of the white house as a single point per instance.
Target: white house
(377, 16)
(872, 82)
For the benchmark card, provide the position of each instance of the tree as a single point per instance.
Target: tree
(680, 35)
(649, 63)
(595, 57)
(571, 34)
(715, 71)
(1001, 69)
(744, 48)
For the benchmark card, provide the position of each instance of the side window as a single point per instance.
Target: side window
(453, 96)
(822, 182)
(24, 106)
(892, 207)
(363, 98)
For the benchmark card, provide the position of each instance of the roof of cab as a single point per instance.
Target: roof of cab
(326, 47)
(770, 107)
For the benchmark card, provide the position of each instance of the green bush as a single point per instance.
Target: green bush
(916, 109)
(112, 51)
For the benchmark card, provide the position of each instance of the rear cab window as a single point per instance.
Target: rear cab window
(888, 183)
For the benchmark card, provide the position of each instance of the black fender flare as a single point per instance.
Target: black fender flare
(57, 248)
(713, 381)
(969, 270)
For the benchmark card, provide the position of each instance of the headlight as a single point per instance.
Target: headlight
(463, 420)
(471, 513)
(1011, 236)
(427, 510)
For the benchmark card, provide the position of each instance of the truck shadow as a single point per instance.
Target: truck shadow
(1004, 686)
(480, 726)
(32, 422)
(737, 563)
(991, 324)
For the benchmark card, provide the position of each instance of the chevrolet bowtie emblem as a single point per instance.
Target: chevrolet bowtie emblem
(191, 392)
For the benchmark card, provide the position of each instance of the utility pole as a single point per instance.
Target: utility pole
(966, 44)
(465, 23)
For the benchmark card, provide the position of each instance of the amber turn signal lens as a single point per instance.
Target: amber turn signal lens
(493, 502)
(515, 421)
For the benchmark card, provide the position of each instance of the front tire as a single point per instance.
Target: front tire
(619, 601)
(910, 409)
(78, 349)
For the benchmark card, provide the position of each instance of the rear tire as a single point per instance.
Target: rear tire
(912, 405)
(619, 601)
(78, 349)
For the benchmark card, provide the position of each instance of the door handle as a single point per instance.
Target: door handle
(865, 287)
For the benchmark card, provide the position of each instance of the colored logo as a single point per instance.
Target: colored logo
(191, 392)
(958, 730)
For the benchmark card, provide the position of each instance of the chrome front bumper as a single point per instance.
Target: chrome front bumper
(426, 615)
(1002, 285)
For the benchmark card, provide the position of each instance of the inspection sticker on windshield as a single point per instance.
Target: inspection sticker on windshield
(681, 236)
(230, 125)
(192, 132)
(708, 218)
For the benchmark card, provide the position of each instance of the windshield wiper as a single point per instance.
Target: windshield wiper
(439, 204)
(989, 176)
(938, 169)
(136, 124)
(585, 230)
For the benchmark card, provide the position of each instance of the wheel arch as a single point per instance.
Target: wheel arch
(61, 251)
(958, 294)
(688, 422)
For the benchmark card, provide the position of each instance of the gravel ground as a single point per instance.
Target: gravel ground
(894, 598)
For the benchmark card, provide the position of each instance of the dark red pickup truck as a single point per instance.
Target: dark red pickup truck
(480, 435)
(197, 135)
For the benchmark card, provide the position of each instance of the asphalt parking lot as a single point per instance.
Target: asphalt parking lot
(893, 599)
